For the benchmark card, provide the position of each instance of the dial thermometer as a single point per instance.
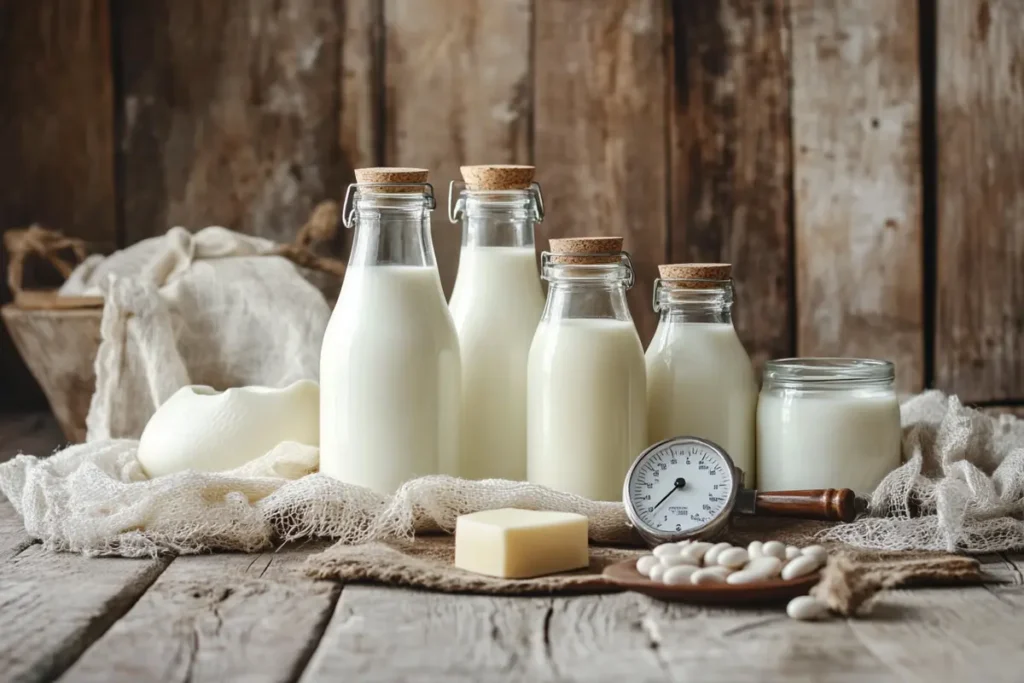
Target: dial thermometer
(688, 488)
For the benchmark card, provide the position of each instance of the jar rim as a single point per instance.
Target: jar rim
(827, 370)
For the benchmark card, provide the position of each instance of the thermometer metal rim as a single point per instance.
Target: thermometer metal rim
(655, 536)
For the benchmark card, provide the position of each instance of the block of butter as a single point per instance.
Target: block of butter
(519, 544)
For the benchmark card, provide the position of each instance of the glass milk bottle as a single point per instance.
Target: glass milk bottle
(586, 383)
(700, 381)
(389, 365)
(496, 305)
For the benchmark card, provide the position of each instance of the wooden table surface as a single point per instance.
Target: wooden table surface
(230, 617)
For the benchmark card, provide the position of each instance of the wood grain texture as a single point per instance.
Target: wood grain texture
(979, 326)
(601, 88)
(230, 113)
(730, 158)
(857, 203)
(457, 92)
(1016, 410)
(216, 618)
(55, 605)
(56, 137)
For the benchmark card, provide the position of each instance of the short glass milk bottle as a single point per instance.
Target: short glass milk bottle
(700, 381)
(496, 305)
(390, 375)
(827, 423)
(586, 382)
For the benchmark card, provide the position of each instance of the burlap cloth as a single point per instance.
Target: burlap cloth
(852, 577)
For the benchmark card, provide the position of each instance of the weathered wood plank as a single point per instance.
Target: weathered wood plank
(55, 605)
(57, 137)
(230, 113)
(381, 634)
(731, 162)
(216, 618)
(600, 135)
(979, 330)
(857, 204)
(457, 92)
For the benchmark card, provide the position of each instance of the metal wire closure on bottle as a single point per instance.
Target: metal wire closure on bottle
(658, 283)
(348, 215)
(454, 212)
(546, 256)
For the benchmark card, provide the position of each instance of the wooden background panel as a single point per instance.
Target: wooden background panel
(731, 167)
(600, 134)
(857, 203)
(979, 335)
(458, 80)
(230, 113)
(56, 139)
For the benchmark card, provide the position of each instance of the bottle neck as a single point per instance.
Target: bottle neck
(680, 305)
(590, 291)
(498, 219)
(392, 229)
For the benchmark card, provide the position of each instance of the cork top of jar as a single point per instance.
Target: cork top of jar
(497, 177)
(385, 174)
(694, 275)
(586, 250)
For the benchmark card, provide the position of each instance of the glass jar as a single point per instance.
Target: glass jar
(586, 381)
(496, 305)
(700, 381)
(827, 423)
(389, 366)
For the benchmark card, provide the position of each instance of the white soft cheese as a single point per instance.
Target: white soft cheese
(519, 544)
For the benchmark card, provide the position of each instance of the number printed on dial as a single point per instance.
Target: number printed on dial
(679, 487)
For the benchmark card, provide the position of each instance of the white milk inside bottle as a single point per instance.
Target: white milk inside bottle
(496, 305)
(827, 423)
(389, 365)
(700, 381)
(586, 381)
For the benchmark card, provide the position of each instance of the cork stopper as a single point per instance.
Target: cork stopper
(586, 250)
(497, 177)
(385, 174)
(700, 275)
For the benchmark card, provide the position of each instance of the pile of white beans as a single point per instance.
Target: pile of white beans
(700, 562)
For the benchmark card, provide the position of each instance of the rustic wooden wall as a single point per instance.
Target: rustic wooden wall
(859, 162)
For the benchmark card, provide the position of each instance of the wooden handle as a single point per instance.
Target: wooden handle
(829, 505)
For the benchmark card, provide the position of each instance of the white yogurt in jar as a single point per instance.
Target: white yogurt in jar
(827, 423)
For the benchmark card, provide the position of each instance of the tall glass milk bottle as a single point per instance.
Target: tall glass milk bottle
(496, 304)
(389, 368)
(586, 383)
(700, 381)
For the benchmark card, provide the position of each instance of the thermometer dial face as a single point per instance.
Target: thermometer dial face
(680, 488)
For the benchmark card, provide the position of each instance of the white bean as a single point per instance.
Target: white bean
(755, 549)
(792, 551)
(733, 558)
(644, 564)
(711, 556)
(805, 608)
(657, 571)
(758, 569)
(676, 560)
(775, 549)
(695, 551)
(674, 576)
(801, 566)
(666, 549)
(710, 575)
(816, 551)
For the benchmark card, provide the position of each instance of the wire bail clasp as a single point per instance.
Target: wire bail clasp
(624, 260)
(456, 208)
(348, 209)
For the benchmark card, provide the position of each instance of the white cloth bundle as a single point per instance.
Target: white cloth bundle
(213, 308)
